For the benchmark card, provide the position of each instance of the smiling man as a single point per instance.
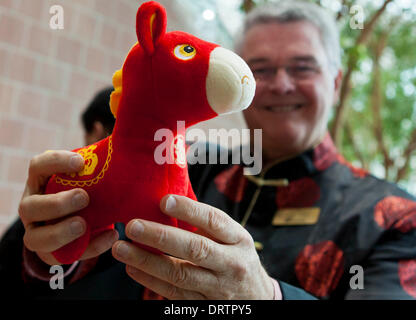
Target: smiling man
(297, 83)
(295, 230)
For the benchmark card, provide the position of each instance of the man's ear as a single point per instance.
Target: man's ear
(99, 131)
(337, 87)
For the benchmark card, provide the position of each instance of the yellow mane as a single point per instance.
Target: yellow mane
(118, 88)
(116, 94)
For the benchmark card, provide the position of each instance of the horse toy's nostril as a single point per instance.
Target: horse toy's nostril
(245, 79)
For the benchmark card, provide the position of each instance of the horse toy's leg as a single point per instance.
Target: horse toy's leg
(73, 250)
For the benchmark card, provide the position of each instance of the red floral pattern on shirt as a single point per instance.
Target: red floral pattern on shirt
(407, 276)
(357, 172)
(299, 193)
(319, 267)
(396, 212)
(231, 183)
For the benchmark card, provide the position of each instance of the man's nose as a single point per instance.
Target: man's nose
(282, 82)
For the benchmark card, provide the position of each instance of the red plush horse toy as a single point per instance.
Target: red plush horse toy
(165, 78)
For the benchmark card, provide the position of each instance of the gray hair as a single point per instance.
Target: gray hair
(291, 11)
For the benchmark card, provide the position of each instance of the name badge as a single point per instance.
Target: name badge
(296, 216)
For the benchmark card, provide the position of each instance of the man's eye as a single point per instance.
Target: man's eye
(263, 71)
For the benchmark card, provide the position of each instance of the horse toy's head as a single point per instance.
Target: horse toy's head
(176, 76)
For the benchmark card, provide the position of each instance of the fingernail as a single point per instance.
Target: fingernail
(170, 203)
(76, 228)
(136, 228)
(79, 200)
(76, 162)
(122, 250)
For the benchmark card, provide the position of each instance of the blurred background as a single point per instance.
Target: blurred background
(47, 77)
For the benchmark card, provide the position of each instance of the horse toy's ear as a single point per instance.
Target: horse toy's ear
(150, 25)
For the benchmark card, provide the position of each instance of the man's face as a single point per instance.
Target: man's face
(295, 86)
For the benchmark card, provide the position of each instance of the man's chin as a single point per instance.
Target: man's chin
(282, 147)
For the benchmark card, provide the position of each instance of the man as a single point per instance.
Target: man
(97, 119)
(310, 215)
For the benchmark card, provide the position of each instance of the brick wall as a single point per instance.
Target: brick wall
(48, 76)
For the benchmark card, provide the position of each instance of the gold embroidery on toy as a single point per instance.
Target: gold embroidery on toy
(89, 183)
(91, 161)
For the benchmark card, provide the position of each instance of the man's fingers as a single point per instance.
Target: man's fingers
(161, 287)
(178, 243)
(212, 220)
(100, 244)
(37, 208)
(54, 236)
(46, 164)
(179, 273)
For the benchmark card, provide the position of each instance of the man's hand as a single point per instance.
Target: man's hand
(218, 263)
(36, 209)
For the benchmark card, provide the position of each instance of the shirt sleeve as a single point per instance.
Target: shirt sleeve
(34, 268)
(389, 272)
(290, 292)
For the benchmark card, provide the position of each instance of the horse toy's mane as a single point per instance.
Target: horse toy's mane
(165, 78)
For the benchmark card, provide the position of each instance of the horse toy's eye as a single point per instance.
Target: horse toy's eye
(184, 52)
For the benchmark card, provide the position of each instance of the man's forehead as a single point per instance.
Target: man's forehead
(301, 58)
(283, 41)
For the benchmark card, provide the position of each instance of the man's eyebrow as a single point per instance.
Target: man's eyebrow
(257, 60)
(308, 58)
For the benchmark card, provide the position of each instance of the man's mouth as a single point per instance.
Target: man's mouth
(283, 108)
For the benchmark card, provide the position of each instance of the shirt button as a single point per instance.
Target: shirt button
(258, 245)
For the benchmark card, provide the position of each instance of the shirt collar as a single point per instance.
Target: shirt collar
(307, 163)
